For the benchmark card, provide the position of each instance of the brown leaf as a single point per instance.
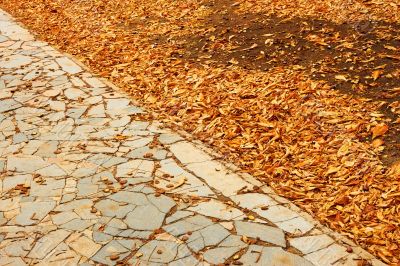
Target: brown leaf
(379, 130)
(344, 200)
(376, 74)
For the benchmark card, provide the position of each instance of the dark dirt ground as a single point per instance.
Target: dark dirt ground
(361, 59)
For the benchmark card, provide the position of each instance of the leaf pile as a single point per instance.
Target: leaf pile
(244, 78)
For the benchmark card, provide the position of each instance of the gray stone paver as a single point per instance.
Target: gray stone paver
(84, 180)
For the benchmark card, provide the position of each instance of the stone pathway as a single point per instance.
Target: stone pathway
(85, 181)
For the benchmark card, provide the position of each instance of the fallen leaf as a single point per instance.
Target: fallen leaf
(376, 74)
(377, 143)
(379, 130)
(341, 77)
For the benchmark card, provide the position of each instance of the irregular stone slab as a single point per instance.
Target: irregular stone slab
(51, 188)
(111, 208)
(216, 176)
(130, 197)
(12, 261)
(85, 190)
(141, 170)
(62, 254)
(9, 204)
(137, 143)
(188, 153)
(52, 171)
(120, 122)
(274, 256)
(217, 209)
(278, 214)
(327, 256)
(25, 163)
(225, 250)
(19, 138)
(266, 233)
(57, 105)
(15, 61)
(190, 224)
(169, 138)
(68, 65)
(169, 251)
(77, 225)
(308, 244)
(47, 243)
(145, 218)
(192, 185)
(162, 203)
(115, 247)
(178, 215)
(63, 217)
(298, 226)
(254, 201)
(119, 103)
(94, 82)
(10, 182)
(74, 94)
(8, 104)
(16, 247)
(142, 152)
(85, 246)
(208, 236)
(34, 212)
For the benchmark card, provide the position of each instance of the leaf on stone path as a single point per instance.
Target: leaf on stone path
(379, 130)
(121, 137)
(180, 182)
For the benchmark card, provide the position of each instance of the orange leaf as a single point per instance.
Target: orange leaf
(376, 74)
(379, 130)
(377, 143)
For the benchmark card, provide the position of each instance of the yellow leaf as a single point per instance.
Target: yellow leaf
(332, 170)
(341, 77)
(151, 99)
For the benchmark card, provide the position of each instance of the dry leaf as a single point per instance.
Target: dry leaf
(341, 77)
(377, 143)
(379, 130)
(376, 74)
